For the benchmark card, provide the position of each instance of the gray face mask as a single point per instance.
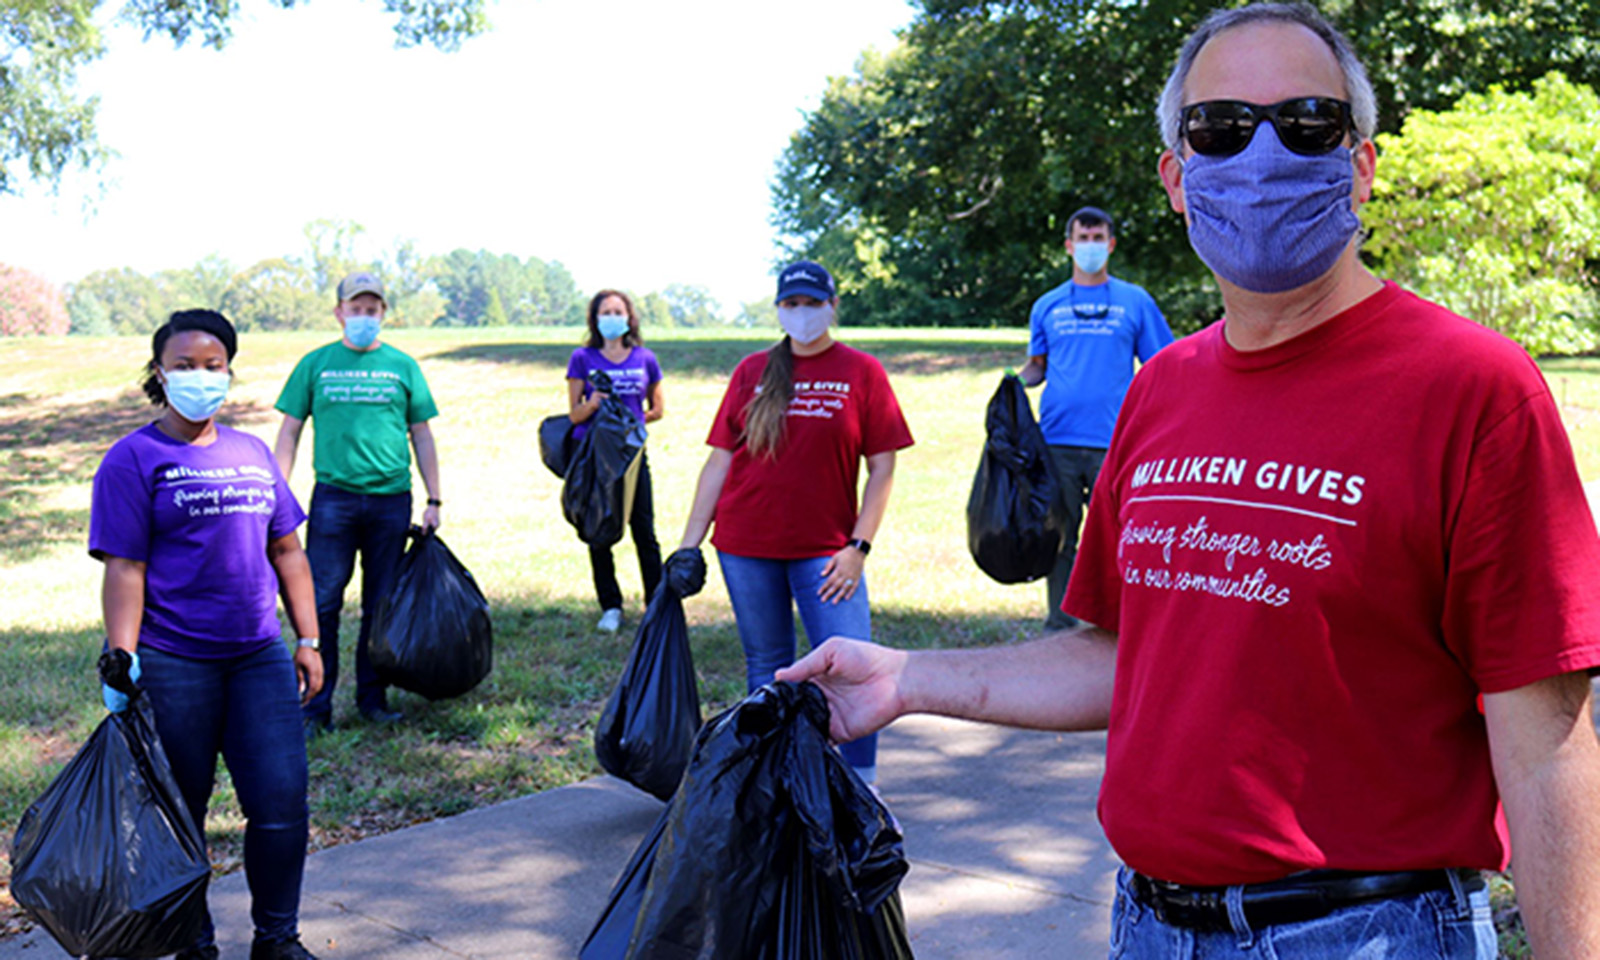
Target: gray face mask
(805, 324)
(1268, 219)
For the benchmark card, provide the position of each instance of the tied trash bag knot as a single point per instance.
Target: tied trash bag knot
(1015, 522)
(646, 731)
(432, 634)
(772, 847)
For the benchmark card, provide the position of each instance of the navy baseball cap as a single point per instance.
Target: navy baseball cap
(805, 279)
(1091, 216)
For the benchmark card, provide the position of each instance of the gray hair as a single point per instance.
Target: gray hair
(1363, 104)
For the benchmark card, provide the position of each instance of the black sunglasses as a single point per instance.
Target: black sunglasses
(1310, 126)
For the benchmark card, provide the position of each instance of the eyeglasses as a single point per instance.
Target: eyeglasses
(1309, 126)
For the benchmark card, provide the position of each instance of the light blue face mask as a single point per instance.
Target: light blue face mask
(612, 326)
(1091, 255)
(1267, 219)
(195, 394)
(361, 331)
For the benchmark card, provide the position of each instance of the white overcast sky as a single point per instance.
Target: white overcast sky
(633, 141)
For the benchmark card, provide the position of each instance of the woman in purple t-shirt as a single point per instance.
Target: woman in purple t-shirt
(616, 349)
(196, 527)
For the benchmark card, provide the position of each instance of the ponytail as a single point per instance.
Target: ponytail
(764, 416)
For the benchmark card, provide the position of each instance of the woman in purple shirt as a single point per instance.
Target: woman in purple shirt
(616, 348)
(196, 527)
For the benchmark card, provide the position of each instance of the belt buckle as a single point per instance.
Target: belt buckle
(1144, 889)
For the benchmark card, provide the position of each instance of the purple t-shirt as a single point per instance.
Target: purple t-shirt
(631, 379)
(200, 519)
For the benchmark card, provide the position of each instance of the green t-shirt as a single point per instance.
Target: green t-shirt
(364, 403)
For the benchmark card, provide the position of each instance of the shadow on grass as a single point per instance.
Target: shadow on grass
(717, 358)
(44, 445)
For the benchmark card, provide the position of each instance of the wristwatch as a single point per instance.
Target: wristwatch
(314, 643)
(864, 546)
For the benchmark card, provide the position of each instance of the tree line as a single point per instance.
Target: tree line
(936, 179)
(462, 288)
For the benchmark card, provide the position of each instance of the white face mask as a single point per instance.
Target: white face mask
(196, 394)
(806, 324)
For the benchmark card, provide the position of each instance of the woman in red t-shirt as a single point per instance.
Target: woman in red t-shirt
(788, 441)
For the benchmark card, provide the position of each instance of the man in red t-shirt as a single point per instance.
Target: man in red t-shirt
(1328, 528)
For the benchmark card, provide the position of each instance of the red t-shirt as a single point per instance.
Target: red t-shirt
(1316, 556)
(802, 503)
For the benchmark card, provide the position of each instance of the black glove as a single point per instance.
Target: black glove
(118, 671)
(601, 381)
(686, 571)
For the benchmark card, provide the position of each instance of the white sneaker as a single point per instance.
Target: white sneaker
(610, 621)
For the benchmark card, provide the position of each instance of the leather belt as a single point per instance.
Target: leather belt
(1294, 899)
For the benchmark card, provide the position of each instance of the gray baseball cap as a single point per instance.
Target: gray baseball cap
(361, 282)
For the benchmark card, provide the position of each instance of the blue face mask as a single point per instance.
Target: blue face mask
(361, 331)
(1091, 256)
(1266, 219)
(195, 394)
(612, 326)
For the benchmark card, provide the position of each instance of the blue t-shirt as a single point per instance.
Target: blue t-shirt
(1090, 336)
(631, 379)
(200, 519)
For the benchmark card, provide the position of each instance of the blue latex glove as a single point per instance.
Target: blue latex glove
(119, 671)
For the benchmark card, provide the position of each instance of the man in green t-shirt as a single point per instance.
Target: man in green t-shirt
(368, 400)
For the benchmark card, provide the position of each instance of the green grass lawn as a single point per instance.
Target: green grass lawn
(528, 727)
(63, 401)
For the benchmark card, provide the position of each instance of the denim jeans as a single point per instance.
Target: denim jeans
(1448, 924)
(1076, 469)
(248, 709)
(341, 524)
(642, 524)
(765, 594)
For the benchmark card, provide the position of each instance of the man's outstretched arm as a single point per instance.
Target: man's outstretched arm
(1059, 682)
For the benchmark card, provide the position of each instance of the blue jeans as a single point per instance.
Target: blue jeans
(248, 709)
(344, 523)
(1076, 469)
(1448, 924)
(765, 594)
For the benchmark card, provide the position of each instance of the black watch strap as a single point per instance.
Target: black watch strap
(864, 546)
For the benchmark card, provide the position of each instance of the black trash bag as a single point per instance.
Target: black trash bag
(772, 849)
(1014, 516)
(108, 859)
(646, 732)
(603, 472)
(555, 443)
(432, 635)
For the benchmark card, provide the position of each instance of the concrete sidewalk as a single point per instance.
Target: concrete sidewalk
(1007, 861)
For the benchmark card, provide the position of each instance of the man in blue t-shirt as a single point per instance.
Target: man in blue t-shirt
(1085, 334)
